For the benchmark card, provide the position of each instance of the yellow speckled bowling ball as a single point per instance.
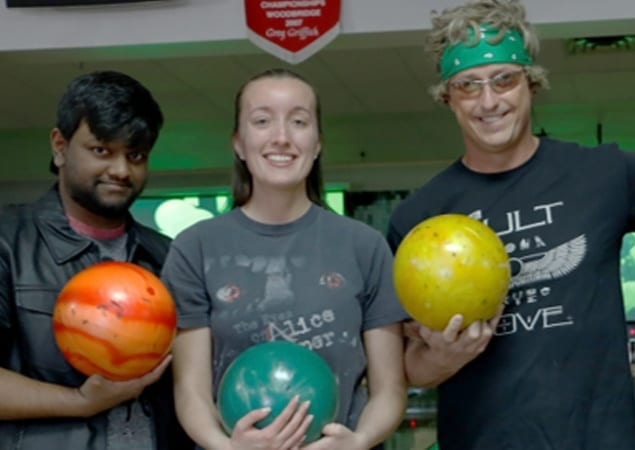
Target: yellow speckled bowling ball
(451, 264)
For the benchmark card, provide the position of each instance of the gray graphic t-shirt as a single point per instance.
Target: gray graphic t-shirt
(320, 281)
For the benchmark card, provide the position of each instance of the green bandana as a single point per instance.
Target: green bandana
(461, 56)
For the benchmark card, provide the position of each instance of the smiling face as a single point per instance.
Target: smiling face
(98, 181)
(495, 118)
(277, 135)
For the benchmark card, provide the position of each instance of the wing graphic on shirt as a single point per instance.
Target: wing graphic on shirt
(555, 263)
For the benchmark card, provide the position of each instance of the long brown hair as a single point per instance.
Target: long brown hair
(242, 183)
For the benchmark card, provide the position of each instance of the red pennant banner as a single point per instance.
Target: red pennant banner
(292, 30)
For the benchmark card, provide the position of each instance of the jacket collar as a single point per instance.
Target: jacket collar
(64, 243)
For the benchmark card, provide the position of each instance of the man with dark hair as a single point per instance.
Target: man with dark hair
(107, 124)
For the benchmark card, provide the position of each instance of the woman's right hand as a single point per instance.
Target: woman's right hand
(286, 432)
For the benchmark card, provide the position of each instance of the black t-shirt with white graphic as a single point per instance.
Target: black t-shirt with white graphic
(556, 375)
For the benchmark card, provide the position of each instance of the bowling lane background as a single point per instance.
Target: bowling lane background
(383, 131)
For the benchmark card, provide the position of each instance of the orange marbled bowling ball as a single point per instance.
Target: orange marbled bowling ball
(115, 319)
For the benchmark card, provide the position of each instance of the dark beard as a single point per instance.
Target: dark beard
(91, 201)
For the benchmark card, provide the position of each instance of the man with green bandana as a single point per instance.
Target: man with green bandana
(550, 372)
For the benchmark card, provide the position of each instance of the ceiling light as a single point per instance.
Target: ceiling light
(602, 44)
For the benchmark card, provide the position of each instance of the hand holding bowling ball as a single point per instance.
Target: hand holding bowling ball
(270, 375)
(451, 264)
(115, 319)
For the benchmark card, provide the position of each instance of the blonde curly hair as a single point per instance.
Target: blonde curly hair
(451, 26)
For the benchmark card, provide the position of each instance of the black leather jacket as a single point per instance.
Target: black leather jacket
(39, 252)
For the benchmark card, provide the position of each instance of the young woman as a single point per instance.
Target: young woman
(281, 266)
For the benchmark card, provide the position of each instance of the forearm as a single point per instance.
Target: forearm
(193, 398)
(197, 414)
(387, 386)
(382, 414)
(25, 398)
(423, 368)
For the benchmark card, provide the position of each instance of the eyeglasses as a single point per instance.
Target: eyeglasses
(501, 83)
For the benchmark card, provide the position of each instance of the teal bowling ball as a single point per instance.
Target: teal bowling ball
(270, 375)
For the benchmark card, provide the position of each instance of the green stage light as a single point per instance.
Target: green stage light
(601, 44)
(171, 214)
